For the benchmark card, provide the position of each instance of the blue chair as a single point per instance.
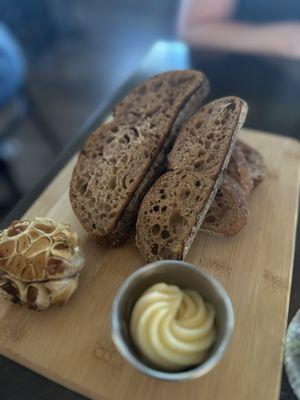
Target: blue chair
(17, 103)
(12, 66)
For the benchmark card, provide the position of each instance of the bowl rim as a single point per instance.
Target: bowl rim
(195, 372)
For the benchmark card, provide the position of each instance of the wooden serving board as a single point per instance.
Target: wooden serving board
(72, 345)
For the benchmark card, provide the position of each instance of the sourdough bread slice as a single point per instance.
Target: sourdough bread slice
(239, 170)
(162, 97)
(229, 212)
(175, 206)
(255, 162)
(170, 211)
(122, 159)
(202, 144)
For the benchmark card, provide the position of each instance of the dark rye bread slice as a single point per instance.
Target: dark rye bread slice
(121, 160)
(169, 213)
(162, 97)
(201, 143)
(174, 208)
(239, 170)
(229, 212)
(254, 161)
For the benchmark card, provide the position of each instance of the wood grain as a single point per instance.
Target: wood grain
(72, 345)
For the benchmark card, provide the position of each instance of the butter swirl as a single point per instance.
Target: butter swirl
(172, 328)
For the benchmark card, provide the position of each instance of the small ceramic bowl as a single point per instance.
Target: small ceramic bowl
(183, 275)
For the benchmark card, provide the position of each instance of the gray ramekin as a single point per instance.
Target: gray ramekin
(183, 275)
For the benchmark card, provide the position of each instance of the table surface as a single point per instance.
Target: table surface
(271, 88)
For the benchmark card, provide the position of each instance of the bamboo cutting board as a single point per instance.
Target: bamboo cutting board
(72, 345)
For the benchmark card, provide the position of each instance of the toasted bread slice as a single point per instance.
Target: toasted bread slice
(229, 212)
(174, 208)
(255, 162)
(122, 159)
(163, 97)
(239, 170)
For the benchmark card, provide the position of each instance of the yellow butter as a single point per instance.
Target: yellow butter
(172, 328)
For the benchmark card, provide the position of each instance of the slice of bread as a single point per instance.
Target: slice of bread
(169, 213)
(162, 97)
(255, 162)
(202, 144)
(122, 159)
(239, 170)
(174, 208)
(229, 212)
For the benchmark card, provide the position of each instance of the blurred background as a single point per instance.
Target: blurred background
(61, 59)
